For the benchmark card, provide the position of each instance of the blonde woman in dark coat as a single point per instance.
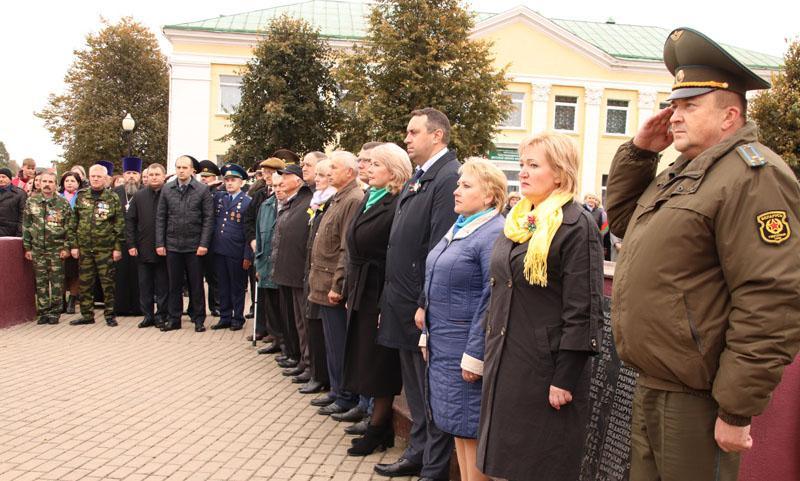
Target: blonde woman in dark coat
(542, 323)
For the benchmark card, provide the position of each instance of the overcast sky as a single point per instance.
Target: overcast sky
(38, 38)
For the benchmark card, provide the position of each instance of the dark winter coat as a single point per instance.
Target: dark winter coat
(140, 224)
(424, 213)
(457, 293)
(289, 240)
(185, 221)
(537, 337)
(12, 206)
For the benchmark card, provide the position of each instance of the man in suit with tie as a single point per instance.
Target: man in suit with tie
(232, 254)
(424, 214)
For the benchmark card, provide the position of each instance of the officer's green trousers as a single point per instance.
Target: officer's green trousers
(48, 269)
(672, 439)
(91, 265)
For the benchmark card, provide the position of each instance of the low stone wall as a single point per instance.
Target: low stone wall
(16, 284)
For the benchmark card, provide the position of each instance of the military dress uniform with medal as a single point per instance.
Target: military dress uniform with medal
(706, 289)
(232, 255)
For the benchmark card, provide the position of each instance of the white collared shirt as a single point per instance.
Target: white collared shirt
(438, 155)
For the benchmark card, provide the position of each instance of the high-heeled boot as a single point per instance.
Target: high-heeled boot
(70, 304)
(376, 437)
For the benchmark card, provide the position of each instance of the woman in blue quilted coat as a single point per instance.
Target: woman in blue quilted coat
(456, 296)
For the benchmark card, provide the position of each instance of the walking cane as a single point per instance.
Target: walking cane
(255, 315)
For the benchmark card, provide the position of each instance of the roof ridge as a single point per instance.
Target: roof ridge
(604, 23)
(284, 5)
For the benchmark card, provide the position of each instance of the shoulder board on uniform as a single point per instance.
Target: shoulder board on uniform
(751, 156)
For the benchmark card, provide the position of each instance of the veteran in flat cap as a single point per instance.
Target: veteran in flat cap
(705, 290)
(232, 255)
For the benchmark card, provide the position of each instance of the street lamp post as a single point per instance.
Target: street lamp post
(128, 124)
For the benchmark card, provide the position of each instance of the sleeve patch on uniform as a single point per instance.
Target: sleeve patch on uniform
(773, 226)
(751, 156)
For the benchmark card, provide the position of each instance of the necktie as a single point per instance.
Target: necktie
(419, 173)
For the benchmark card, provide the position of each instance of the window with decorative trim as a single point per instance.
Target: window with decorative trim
(514, 120)
(617, 116)
(566, 113)
(230, 93)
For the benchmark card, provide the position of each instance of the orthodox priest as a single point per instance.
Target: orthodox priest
(127, 280)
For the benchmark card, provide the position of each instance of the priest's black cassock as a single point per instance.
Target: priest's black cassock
(126, 292)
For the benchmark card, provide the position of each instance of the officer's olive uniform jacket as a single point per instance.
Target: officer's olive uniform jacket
(97, 223)
(46, 224)
(707, 287)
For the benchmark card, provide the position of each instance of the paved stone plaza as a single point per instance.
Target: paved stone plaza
(95, 402)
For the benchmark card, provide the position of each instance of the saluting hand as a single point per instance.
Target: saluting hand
(559, 397)
(655, 134)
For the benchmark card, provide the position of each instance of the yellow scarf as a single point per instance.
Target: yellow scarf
(539, 225)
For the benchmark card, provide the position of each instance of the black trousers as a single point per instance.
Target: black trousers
(269, 320)
(179, 263)
(210, 275)
(316, 351)
(153, 285)
(251, 278)
(428, 446)
(291, 339)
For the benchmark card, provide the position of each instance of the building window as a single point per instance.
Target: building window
(617, 117)
(565, 113)
(514, 119)
(230, 93)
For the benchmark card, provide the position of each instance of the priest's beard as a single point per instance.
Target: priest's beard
(131, 187)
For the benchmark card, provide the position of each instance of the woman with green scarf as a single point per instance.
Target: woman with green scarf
(542, 324)
(370, 369)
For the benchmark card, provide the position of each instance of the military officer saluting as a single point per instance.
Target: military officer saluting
(706, 289)
(46, 238)
(98, 227)
(232, 255)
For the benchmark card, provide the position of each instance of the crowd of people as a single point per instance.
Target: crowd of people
(406, 269)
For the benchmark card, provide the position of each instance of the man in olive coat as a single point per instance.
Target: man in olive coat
(424, 214)
(705, 290)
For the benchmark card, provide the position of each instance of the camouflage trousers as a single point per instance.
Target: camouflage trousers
(48, 268)
(91, 266)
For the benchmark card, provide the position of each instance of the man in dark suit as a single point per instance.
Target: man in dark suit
(289, 259)
(140, 235)
(424, 213)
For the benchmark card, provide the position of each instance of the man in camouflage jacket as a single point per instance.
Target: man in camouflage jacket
(45, 237)
(98, 227)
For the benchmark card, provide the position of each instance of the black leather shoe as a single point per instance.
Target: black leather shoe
(43, 320)
(220, 325)
(376, 438)
(352, 416)
(332, 408)
(359, 428)
(111, 322)
(401, 467)
(294, 371)
(236, 327)
(289, 362)
(322, 401)
(312, 387)
(258, 338)
(147, 323)
(170, 327)
(200, 328)
(81, 322)
(270, 349)
(53, 320)
(302, 378)
(215, 312)
(281, 358)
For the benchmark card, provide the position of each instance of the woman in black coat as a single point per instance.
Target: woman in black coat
(371, 369)
(542, 323)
